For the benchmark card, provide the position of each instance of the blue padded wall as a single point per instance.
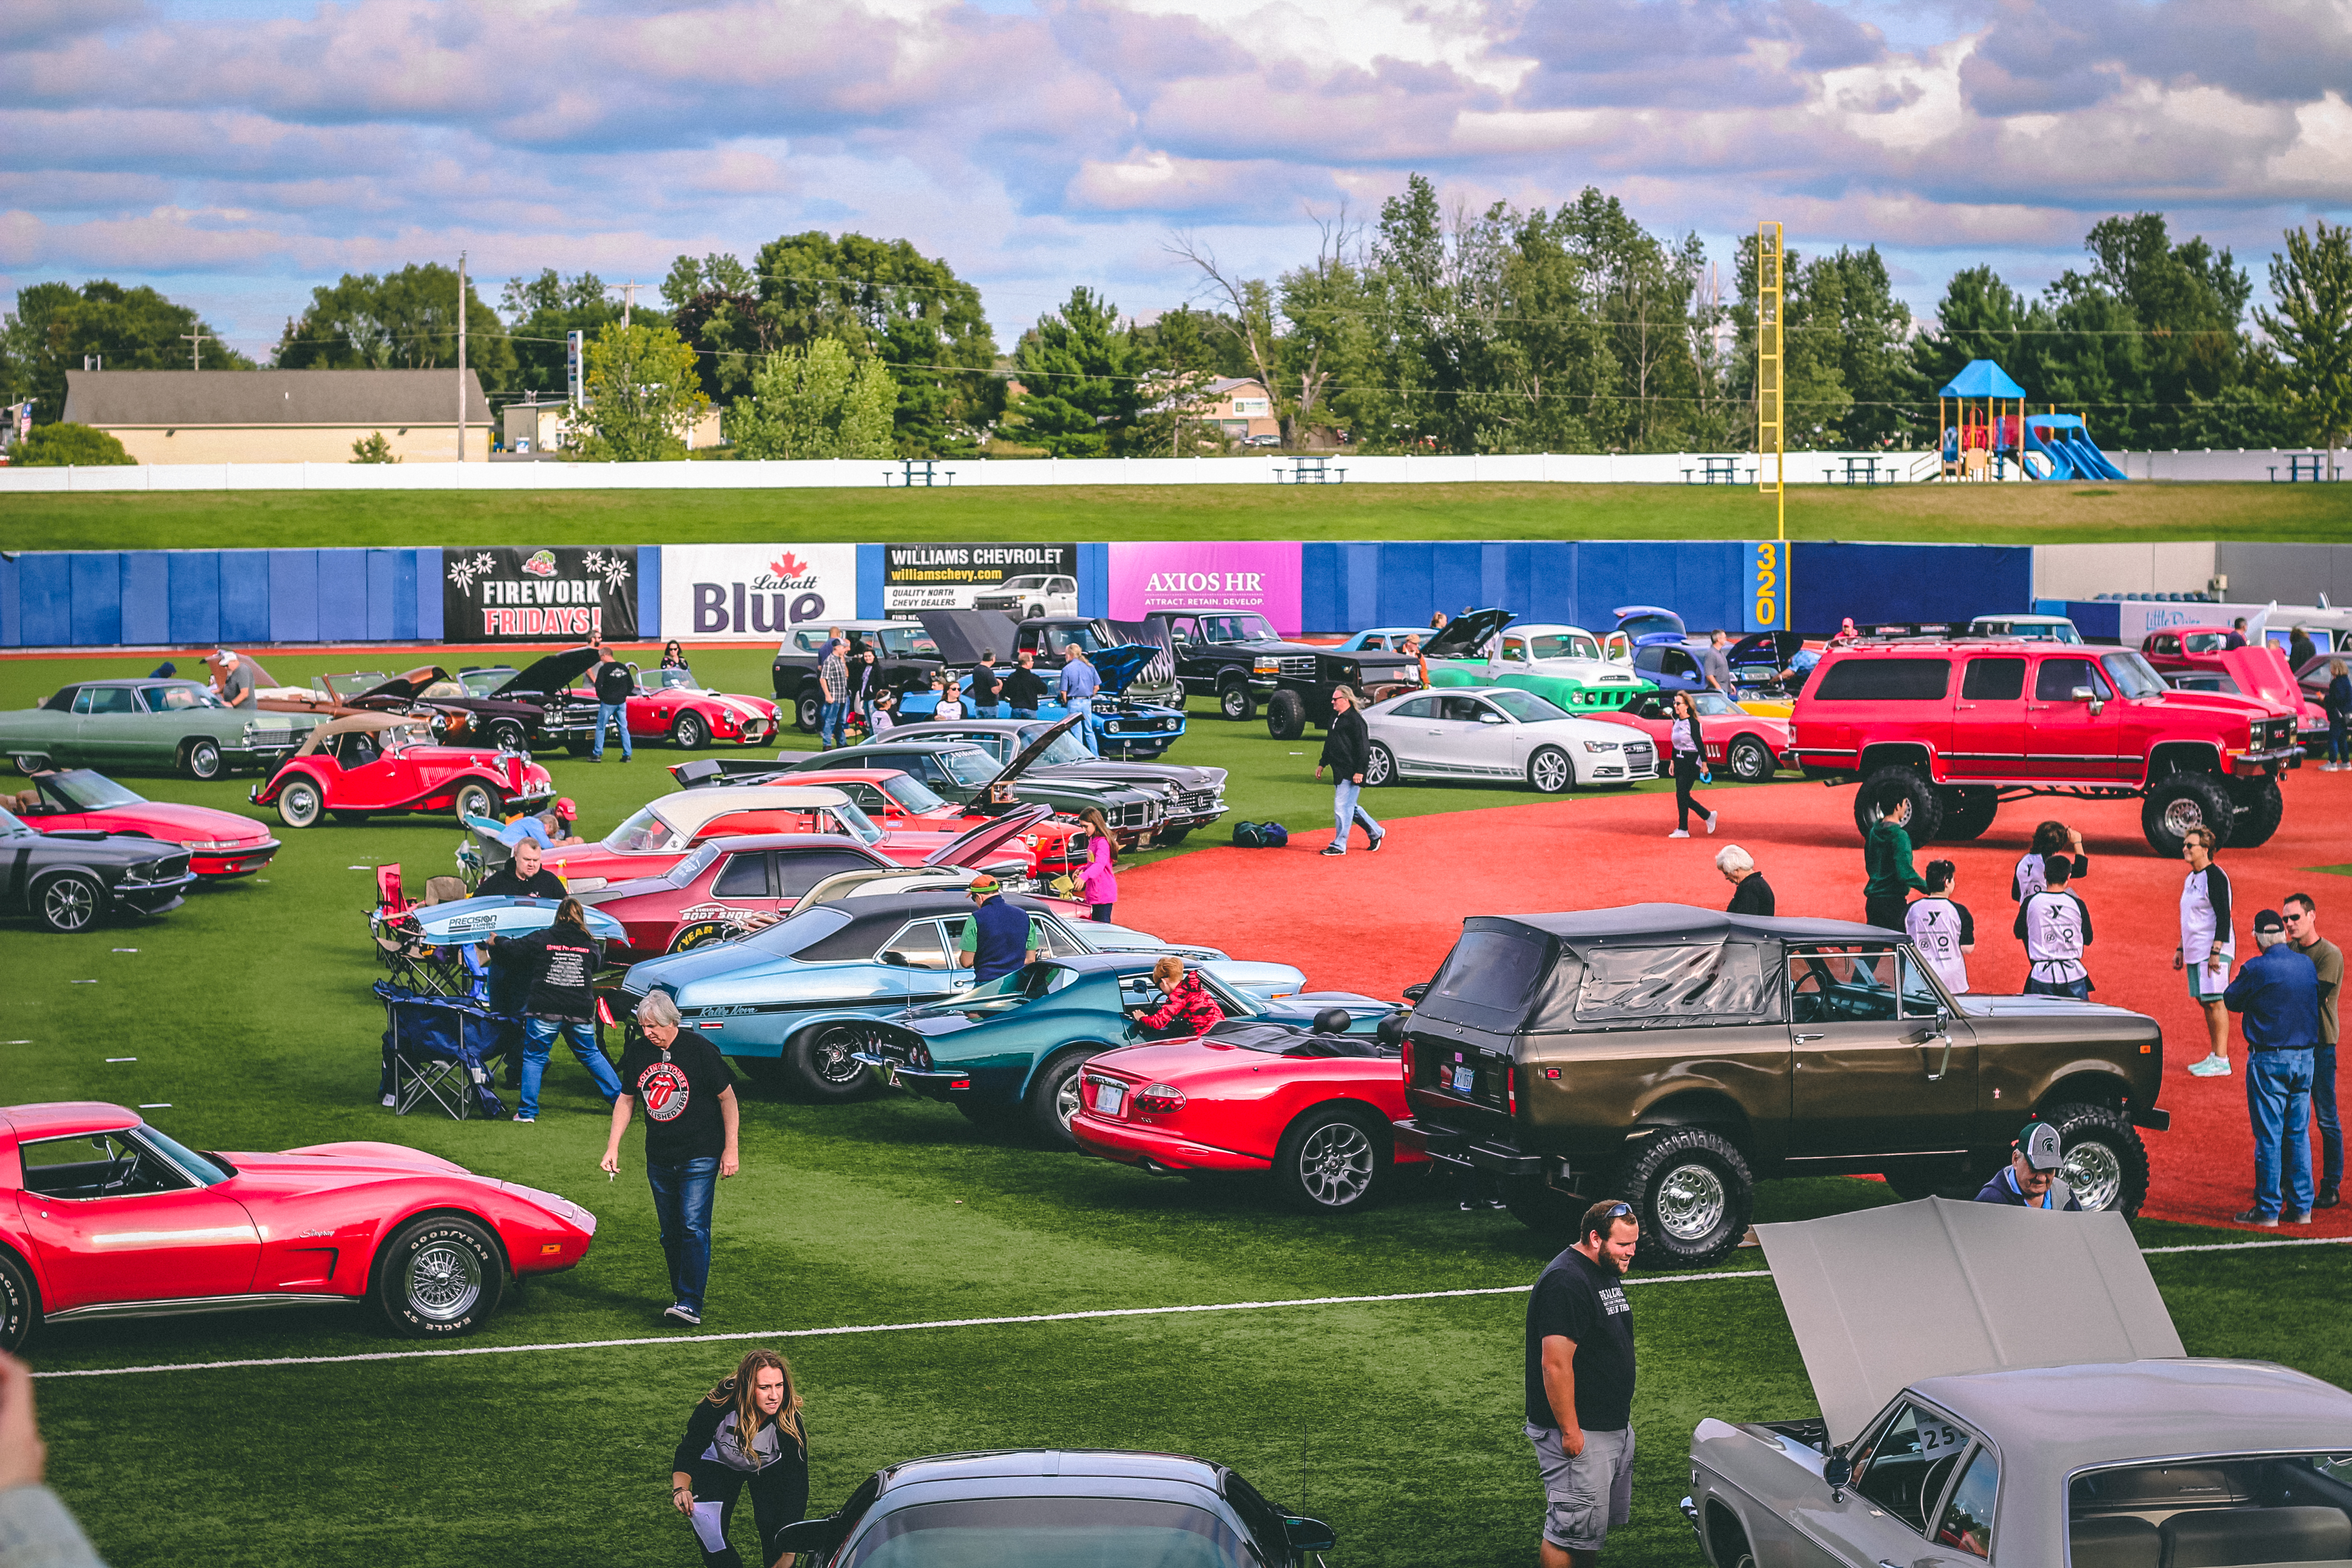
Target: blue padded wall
(147, 598)
(45, 600)
(381, 576)
(194, 585)
(429, 594)
(649, 590)
(1905, 581)
(1093, 579)
(872, 560)
(293, 594)
(95, 579)
(244, 599)
(12, 621)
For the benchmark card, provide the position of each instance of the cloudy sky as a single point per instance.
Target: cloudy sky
(234, 152)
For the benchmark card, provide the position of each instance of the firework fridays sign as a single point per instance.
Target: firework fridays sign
(563, 594)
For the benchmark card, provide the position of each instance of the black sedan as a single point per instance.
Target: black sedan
(1197, 794)
(70, 881)
(1056, 1507)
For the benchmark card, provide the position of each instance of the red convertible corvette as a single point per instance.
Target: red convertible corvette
(104, 1216)
(670, 704)
(1738, 743)
(372, 762)
(220, 844)
(1316, 1107)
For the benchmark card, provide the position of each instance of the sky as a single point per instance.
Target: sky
(235, 154)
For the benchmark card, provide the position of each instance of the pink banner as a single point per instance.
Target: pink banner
(1220, 576)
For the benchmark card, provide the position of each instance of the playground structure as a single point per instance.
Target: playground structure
(1982, 438)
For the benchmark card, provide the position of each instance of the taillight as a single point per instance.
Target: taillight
(918, 1058)
(1160, 1099)
(1511, 1088)
(1407, 1059)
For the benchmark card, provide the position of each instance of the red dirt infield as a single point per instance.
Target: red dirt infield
(1376, 923)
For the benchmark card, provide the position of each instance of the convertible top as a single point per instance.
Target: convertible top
(369, 723)
(1660, 925)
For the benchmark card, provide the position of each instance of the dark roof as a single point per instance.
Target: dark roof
(195, 398)
(1679, 923)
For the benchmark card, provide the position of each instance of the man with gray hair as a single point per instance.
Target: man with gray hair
(234, 682)
(691, 1140)
(1750, 893)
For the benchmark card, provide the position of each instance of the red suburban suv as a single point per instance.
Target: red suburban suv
(1961, 725)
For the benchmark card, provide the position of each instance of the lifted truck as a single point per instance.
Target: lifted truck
(1237, 659)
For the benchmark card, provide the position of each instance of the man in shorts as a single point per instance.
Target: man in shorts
(2207, 945)
(1579, 1387)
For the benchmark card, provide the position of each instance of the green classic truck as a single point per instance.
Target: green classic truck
(147, 726)
(1560, 664)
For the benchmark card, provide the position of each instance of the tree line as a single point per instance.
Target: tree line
(1421, 329)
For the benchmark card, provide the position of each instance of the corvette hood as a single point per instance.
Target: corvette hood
(552, 674)
(346, 1165)
(1885, 1297)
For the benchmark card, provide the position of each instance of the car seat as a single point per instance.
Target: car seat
(2226, 1537)
(2120, 1540)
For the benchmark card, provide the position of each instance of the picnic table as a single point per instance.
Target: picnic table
(913, 472)
(1859, 471)
(1719, 471)
(2297, 469)
(1308, 468)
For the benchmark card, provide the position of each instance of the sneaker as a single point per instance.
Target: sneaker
(526, 1120)
(1710, 824)
(2254, 1216)
(2210, 1066)
(685, 1314)
(1334, 849)
(1679, 833)
(595, 756)
(2294, 1217)
(1497, 1204)
(1375, 847)
(1468, 1207)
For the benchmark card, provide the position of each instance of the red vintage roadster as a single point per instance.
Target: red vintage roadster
(375, 762)
(220, 844)
(670, 704)
(102, 1216)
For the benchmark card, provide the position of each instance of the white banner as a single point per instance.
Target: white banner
(754, 593)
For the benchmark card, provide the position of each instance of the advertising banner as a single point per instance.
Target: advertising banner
(951, 577)
(754, 593)
(564, 594)
(1261, 577)
(1768, 586)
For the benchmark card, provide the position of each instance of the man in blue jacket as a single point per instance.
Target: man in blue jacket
(2277, 995)
(998, 938)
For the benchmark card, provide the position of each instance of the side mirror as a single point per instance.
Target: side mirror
(1837, 1470)
(1416, 991)
(1309, 1535)
(896, 960)
(814, 1536)
(2083, 694)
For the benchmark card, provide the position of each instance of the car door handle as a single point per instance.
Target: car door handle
(1802, 1038)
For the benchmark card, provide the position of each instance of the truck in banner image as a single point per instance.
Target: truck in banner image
(754, 593)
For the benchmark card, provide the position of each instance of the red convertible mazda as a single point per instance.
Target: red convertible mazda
(377, 763)
(104, 1216)
(220, 844)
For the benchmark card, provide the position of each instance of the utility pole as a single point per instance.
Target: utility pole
(628, 301)
(461, 356)
(196, 341)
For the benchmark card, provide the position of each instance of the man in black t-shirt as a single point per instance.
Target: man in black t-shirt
(523, 878)
(691, 1140)
(1579, 1393)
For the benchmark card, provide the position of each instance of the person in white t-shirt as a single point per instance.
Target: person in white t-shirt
(950, 701)
(2207, 945)
(1942, 929)
(2055, 926)
(2051, 838)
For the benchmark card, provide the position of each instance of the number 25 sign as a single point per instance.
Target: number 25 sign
(1768, 586)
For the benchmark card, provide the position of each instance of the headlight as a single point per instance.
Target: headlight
(214, 843)
(1266, 667)
(142, 873)
(1602, 745)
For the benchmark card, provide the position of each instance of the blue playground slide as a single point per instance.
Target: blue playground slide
(2065, 442)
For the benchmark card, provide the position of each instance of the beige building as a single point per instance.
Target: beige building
(544, 429)
(279, 416)
(1242, 408)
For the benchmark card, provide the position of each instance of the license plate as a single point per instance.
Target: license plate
(891, 1074)
(1465, 1080)
(1109, 1096)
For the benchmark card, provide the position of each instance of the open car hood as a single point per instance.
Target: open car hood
(1465, 634)
(407, 684)
(1120, 667)
(1027, 754)
(1626, 612)
(1775, 648)
(974, 844)
(2263, 673)
(550, 675)
(964, 635)
(1885, 1296)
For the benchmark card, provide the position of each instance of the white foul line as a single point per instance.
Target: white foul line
(1097, 1314)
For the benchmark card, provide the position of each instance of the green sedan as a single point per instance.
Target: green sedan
(147, 726)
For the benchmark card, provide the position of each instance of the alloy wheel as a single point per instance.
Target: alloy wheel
(1550, 772)
(1065, 1101)
(1691, 1202)
(69, 903)
(1335, 1163)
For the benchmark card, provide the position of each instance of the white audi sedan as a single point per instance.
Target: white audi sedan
(1500, 732)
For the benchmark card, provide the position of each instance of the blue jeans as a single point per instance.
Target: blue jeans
(683, 1194)
(1085, 705)
(1345, 813)
(2336, 748)
(1024, 712)
(829, 716)
(2278, 1097)
(538, 1035)
(611, 713)
(2331, 1133)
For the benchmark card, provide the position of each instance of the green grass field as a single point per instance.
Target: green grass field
(249, 1013)
(1998, 514)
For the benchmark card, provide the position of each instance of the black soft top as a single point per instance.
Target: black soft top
(1655, 925)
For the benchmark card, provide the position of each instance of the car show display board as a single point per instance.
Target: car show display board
(754, 593)
(562, 594)
(951, 577)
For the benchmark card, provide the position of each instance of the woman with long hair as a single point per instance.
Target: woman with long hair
(673, 656)
(747, 1431)
(1097, 883)
(1688, 743)
(555, 967)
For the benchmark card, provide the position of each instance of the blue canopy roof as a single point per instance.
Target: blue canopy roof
(1981, 378)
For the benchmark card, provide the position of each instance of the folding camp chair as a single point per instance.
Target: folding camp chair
(434, 1051)
(400, 947)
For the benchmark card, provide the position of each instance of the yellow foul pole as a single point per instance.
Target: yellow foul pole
(1770, 437)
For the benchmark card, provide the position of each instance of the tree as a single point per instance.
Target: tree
(1850, 303)
(57, 326)
(403, 320)
(57, 445)
(642, 396)
(716, 308)
(542, 312)
(816, 402)
(373, 448)
(1177, 357)
(1079, 370)
(2312, 330)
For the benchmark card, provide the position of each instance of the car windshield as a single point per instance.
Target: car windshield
(2205, 642)
(1240, 629)
(482, 683)
(1715, 704)
(644, 834)
(912, 794)
(2133, 675)
(176, 699)
(974, 767)
(1638, 626)
(861, 826)
(202, 1167)
(78, 789)
(1525, 706)
(904, 640)
(1008, 992)
(11, 827)
(354, 683)
(1563, 644)
(1059, 637)
(664, 679)
(696, 862)
(799, 932)
(1065, 750)
(1051, 1532)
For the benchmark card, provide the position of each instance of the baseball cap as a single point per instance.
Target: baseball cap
(984, 886)
(2269, 920)
(2038, 1142)
(565, 809)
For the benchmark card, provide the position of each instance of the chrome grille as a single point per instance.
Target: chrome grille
(1641, 757)
(1302, 666)
(1199, 800)
(1142, 814)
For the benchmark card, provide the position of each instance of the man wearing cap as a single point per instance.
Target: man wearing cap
(2031, 1180)
(2276, 995)
(550, 829)
(998, 938)
(235, 681)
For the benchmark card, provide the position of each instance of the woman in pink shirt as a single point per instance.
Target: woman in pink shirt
(1096, 883)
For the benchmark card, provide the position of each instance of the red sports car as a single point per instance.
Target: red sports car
(659, 835)
(104, 1216)
(904, 805)
(220, 844)
(671, 704)
(373, 763)
(1737, 742)
(2199, 659)
(1316, 1107)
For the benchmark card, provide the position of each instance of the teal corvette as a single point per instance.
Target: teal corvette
(148, 726)
(1011, 1049)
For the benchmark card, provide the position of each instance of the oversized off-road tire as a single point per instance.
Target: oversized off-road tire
(2178, 802)
(201, 758)
(1550, 772)
(440, 1276)
(20, 1303)
(476, 798)
(1886, 785)
(703, 933)
(1693, 1192)
(690, 733)
(1540, 1208)
(299, 803)
(1285, 715)
(807, 709)
(1053, 1099)
(818, 1064)
(1330, 1161)
(69, 903)
(1235, 701)
(507, 735)
(2106, 1164)
(1750, 760)
(1968, 810)
(2260, 805)
(1379, 766)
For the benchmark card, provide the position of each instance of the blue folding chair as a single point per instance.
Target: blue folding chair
(437, 1049)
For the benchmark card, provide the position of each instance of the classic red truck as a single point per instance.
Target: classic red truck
(1959, 726)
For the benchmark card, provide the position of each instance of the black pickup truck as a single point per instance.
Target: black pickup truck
(1237, 658)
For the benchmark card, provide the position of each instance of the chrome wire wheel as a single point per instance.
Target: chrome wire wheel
(444, 1281)
(1691, 1202)
(1335, 1163)
(2095, 1173)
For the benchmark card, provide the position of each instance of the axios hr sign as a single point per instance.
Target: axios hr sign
(754, 593)
(1145, 578)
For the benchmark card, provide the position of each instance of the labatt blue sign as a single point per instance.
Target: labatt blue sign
(752, 592)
